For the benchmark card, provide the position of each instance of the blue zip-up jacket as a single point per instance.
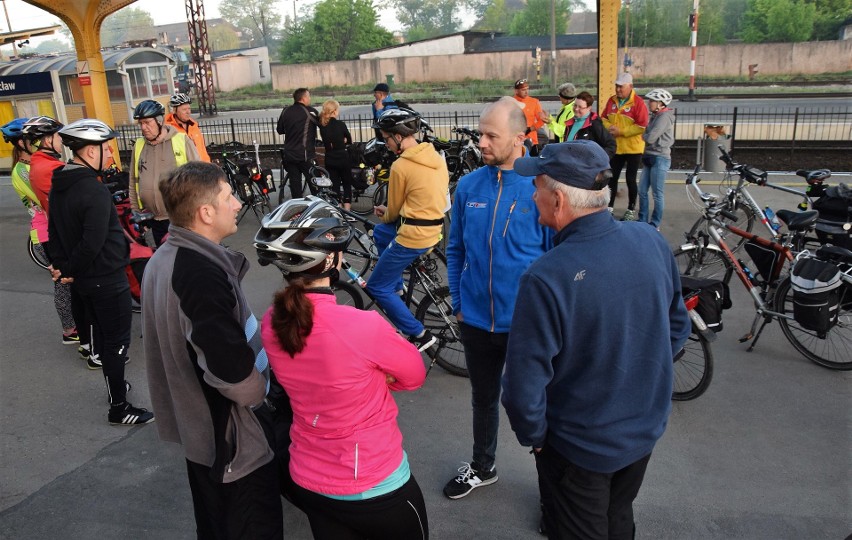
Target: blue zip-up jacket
(589, 360)
(494, 237)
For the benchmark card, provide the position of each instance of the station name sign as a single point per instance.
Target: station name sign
(32, 83)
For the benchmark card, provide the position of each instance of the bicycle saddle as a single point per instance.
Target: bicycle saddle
(834, 253)
(798, 221)
(814, 177)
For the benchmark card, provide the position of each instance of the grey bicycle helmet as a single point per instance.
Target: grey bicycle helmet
(148, 109)
(298, 236)
(401, 121)
(179, 99)
(40, 126)
(86, 132)
(658, 94)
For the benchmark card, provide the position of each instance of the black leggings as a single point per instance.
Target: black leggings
(295, 170)
(340, 172)
(399, 515)
(617, 163)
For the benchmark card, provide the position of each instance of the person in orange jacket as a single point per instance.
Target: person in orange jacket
(181, 118)
(536, 117)
(625, 116)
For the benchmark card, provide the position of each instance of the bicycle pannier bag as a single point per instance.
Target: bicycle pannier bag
(713, 297)
(764, 258)
(816, 294)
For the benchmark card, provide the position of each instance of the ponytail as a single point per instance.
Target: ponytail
(292, 316)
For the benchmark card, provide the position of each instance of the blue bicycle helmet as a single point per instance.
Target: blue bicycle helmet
(12, 131)
(148, 109)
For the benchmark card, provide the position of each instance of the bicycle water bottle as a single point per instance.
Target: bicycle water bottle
(773, 219)
(356, 278)
(746, 270)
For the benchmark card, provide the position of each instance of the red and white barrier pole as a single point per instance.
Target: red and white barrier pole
(693, 42)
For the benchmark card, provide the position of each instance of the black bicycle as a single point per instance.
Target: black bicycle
(249, 182)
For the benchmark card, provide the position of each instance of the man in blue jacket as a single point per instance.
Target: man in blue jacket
(494, 236)
(588, 377)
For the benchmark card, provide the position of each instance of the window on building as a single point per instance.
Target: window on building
(115, 86)
(260, 67)
(138, 78)
(159, 76)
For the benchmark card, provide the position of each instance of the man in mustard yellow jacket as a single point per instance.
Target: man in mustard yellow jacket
(626, 117)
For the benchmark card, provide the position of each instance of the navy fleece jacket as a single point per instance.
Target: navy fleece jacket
(589, 361)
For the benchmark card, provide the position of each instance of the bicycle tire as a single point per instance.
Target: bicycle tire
(361, 252)
(745, 220)
(348, 294)
(261, 201)
(693, 371)
(37, 254)
(362, 203)
(832, 352)
(380, 196)
(439, 319)
(703, 262)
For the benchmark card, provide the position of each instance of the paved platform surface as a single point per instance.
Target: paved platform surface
(766, 453)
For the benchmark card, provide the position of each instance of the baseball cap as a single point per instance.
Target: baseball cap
(382, 87)
(520, 83)
(624, 78)
(574, 163)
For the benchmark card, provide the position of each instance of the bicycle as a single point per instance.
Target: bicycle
(468, 158)
(770, 291)
(693, 365)
(739, 202)
(249, 182)
(424, 292)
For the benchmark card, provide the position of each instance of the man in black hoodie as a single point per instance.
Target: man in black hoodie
(89, 250)
(298, 123)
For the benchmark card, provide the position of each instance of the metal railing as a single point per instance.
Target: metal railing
(769, 128)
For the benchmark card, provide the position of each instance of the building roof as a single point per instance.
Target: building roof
(501, 43)
(17, 35)
(66, 63)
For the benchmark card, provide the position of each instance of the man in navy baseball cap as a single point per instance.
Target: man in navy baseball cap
(576, 163)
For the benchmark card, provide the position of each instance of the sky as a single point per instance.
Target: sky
(23, 16)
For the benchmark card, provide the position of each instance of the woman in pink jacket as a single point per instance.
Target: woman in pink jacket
(338, 366)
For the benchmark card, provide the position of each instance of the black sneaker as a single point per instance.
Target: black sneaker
(93, 362)
(469, 478)
(70, 339)
(423, 341)
(84, 352)
(128, 415)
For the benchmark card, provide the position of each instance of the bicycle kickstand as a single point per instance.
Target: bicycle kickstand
(752, 335)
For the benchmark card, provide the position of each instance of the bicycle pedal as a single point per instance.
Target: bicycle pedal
(746, 337)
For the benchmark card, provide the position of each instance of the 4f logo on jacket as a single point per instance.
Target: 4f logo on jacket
(472, 204)
(580, 275)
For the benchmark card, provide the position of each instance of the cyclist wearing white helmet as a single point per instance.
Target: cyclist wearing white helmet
(88, 249)
(657, 159)
(350, 403)
(412, 219)
(181, 118)
(161, 149)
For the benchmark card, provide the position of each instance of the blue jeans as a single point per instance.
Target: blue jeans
(386, 279)
(485, 355)
(655, 178)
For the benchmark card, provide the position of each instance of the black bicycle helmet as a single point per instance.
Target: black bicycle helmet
(148, 109)
(400, 121)
(298, 236)
(179, 99)
(40, 126)
(13, 131)
(86, 132)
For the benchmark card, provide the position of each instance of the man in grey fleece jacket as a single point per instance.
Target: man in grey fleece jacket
(207, 371)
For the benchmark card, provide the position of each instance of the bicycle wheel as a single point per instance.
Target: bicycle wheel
(438, 318)
(37, 253)
(834, 351)
(361, 252)
(380, 196)
(703, 262)
(693, 369)
(262, 205)
(362, 203)
(745, 220)
(348, 294)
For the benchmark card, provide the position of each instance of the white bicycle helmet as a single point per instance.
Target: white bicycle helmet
(298, 236)
(86, 132)
(179, 99)
(658, 94)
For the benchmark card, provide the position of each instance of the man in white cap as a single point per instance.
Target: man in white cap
(626, 117)
(588, 375)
